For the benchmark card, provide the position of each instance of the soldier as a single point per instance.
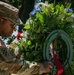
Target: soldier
(8, 20)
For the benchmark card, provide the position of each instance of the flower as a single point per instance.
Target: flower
(69, 9)
(35, 10)
(72, 15)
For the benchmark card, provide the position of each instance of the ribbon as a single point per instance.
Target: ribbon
(18, 35)
(60, 69)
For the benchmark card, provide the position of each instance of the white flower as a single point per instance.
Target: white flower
(24, 36)
(16, 51)
(72, 15)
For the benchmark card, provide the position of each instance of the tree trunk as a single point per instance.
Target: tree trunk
(26, 8)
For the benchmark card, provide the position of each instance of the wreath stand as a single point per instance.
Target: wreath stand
(61, 58)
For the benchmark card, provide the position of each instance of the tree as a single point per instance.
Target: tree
(26, 7)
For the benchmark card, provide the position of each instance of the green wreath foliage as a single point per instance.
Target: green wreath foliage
(43, 23)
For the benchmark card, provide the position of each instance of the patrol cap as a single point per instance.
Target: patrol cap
(9, 11)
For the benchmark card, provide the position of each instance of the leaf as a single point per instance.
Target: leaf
(69, 14)
(62, 9)
(21, 44)
(69, 19)
(27, 27)
(40, 17)
(68, 5)
(28, 42)
(51, 6)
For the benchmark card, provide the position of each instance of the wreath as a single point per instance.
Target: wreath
(41, 24)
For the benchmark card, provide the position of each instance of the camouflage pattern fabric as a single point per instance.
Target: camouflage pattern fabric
(23, 69)
(9, 10)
